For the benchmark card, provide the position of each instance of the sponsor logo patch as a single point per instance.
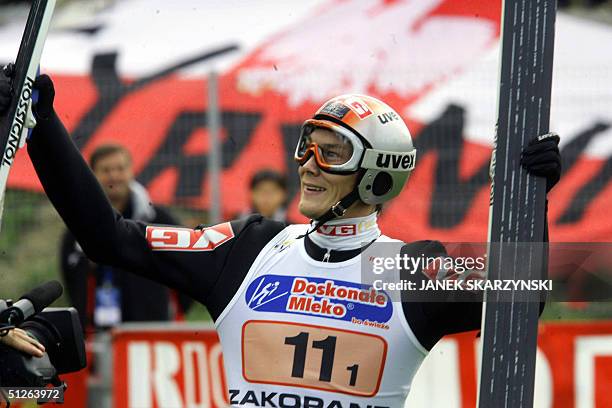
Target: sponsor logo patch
(346, 229)
(395, 161)
(359, 107)
(335, 109)
(338, 230)
(320, 297)
(189, 240)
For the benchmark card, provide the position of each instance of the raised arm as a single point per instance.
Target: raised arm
(189, 260)
(76, 194)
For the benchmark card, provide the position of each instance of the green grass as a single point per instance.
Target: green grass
(198, 313)
(19, 208)
(29, 243)
(568, 311)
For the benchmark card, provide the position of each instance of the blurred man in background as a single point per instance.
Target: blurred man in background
(269, 195)
(104, 296)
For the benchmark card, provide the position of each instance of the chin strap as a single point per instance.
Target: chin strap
(337, 210)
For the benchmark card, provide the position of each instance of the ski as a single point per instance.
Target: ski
(517, 205)
(14, 124)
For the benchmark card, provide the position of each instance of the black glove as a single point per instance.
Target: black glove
(6, 90)
(43, 109)
(542, 158)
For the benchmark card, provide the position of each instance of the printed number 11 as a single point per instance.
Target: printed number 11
(328, 345)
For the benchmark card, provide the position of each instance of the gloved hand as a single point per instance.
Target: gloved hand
(542, 158)
(43, 109)
(6, 90)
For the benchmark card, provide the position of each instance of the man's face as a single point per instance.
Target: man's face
(114, 172)
(267, 197)
(320, 190)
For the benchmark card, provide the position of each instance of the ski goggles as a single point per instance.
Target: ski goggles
(336, 150)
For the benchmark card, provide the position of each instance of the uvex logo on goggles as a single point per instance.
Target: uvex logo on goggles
(379, 159)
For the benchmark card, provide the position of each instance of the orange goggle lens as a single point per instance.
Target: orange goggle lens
(330, 148)
(303, 155)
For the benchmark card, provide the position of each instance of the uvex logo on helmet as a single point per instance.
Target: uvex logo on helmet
(388, 117)
(397, 161)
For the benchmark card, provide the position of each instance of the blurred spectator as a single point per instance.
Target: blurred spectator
(268, 191)
(104, 296)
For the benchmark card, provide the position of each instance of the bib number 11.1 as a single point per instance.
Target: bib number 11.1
(313, 357)
(328, 345)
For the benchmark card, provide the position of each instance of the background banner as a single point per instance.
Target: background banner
(434, 61)
(183, 368)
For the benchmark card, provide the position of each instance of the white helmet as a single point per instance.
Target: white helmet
(370, 136)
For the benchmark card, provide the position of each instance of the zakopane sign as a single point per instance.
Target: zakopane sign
(136, 73)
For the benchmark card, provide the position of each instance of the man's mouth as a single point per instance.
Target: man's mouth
(313, 189)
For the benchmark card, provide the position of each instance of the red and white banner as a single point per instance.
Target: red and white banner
(182, 367)
(168, 367)
(135, 72)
